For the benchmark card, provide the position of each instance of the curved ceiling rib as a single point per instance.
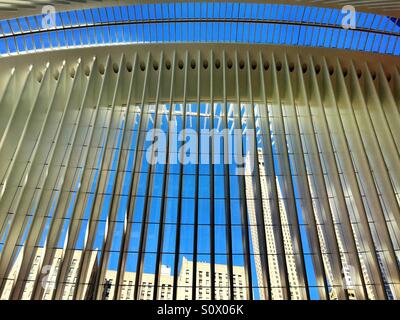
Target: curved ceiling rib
(73, 163)
(15, 8)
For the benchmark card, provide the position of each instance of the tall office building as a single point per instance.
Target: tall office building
(270, 231)
(111, 121)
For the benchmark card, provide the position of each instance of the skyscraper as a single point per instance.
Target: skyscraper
(274, 269)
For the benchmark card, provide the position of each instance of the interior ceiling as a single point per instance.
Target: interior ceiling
(13, 8)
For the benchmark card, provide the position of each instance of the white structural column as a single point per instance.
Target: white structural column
(300, 176)
(72, 182)
(256, 217)
(333, 179)
(323, 213)
(19, 167)
(357, 208)
(280, 280)
(57, 165)
(290, 222)
(374, 178)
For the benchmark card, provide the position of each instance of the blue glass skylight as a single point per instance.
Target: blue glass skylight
(202, 22)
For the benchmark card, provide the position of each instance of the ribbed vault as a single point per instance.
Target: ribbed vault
(323, 200)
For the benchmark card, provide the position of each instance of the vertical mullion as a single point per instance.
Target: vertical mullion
(122, 257)
(272, 187)
(288, 191)
(164, 193)
(243, 200)
(179, 220)
(304, 189)
(333, 173)
(262, 248)
(149, 188)
(328, 221)
(94, 214)
(64, 200)
(113, 209)
(136, 171)
(78, 209)
(227, 186)
(48, 187)
(196, 199)
(102, 92)
(137, 162)
(7, 255)
(211, 163)
(365, 167)
(122, 262)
